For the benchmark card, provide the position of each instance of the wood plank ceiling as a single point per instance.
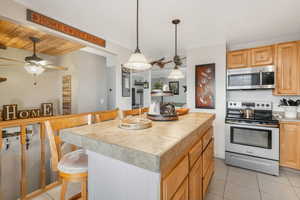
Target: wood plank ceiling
(17, 36)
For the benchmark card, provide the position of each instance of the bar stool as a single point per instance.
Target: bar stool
(73, 166)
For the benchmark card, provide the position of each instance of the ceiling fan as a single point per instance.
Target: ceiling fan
(161, 63)
(33, 64)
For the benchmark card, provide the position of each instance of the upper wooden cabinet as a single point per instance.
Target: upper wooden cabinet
(262, 56)
(290, 145)
(238, 59)
(287, 76)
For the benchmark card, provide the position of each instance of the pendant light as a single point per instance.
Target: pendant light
(176, 73)
(137, 61)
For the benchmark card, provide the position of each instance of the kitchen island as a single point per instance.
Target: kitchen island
(170, 160)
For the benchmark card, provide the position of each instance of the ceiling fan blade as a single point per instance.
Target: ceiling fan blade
(11, 59)
(55, 67)
(157, 61)
(14, 65)
(168, 62)
(183, 58)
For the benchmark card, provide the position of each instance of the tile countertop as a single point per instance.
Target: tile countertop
(153, 148)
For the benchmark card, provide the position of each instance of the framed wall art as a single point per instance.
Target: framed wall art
(205, 93)
(125, 83)
(174, 87)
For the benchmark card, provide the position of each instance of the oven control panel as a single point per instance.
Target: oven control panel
(251, 105)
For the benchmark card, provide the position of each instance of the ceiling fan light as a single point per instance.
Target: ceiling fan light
(34, 69)
(176, 73)
(137, 62)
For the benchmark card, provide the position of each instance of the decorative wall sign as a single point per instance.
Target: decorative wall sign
(11, 112)
(125, 83)
(67, 95)
(205, 86)
(63, 28)
(174, 87)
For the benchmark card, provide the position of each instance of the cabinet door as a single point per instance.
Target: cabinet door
(287, 69)
(290, 145)
(262, 56)
(183, 192)
(238, 59)
(195, 181)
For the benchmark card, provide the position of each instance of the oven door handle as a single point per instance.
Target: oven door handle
(259, 125)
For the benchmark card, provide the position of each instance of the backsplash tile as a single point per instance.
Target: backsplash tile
(258, 95)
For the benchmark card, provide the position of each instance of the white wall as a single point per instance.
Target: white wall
(116, 61)
(204, 55)
(89, 80)
(19, 88)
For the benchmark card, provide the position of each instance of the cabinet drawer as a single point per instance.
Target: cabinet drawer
(172, 182)
(208, 156)
(183, 192)
(207, 137)
(207, 177)
(195, 153)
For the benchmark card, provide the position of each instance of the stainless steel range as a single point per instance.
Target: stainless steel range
(252, 137)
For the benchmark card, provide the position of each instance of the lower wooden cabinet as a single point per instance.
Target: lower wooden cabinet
(183, 191)
(290, 145)
(195, 181)
(190, 178)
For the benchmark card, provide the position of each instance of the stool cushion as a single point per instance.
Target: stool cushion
(74, 162)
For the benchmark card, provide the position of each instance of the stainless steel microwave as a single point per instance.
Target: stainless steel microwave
(251, 78)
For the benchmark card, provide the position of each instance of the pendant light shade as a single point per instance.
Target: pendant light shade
(176, 73)
(137, 60)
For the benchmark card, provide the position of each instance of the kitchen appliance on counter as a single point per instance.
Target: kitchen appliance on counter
(252, 140)
(251, 78)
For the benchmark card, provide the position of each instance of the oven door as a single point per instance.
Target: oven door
(256, 141)
(237, 80)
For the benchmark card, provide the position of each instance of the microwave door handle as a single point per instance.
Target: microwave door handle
(261, 77)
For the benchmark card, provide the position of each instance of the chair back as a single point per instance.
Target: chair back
(106, 115)
(53, 126)
(135, 112)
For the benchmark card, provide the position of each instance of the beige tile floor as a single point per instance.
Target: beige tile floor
(231, 183)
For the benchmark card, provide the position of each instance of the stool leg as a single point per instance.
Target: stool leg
(64, 187)
(84, 189)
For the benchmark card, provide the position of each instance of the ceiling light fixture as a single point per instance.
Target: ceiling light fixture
(137, 61)
(33, 62)
(176, 73)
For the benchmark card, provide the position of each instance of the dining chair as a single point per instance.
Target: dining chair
(134, 112)
(106, 115)
(73, 166)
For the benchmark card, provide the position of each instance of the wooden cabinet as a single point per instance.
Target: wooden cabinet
(238, 59)
(172, 182)
(287, 76)
(290, 145)
(195, 181)
(183, 191)
(186, 180)
(262, 56)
